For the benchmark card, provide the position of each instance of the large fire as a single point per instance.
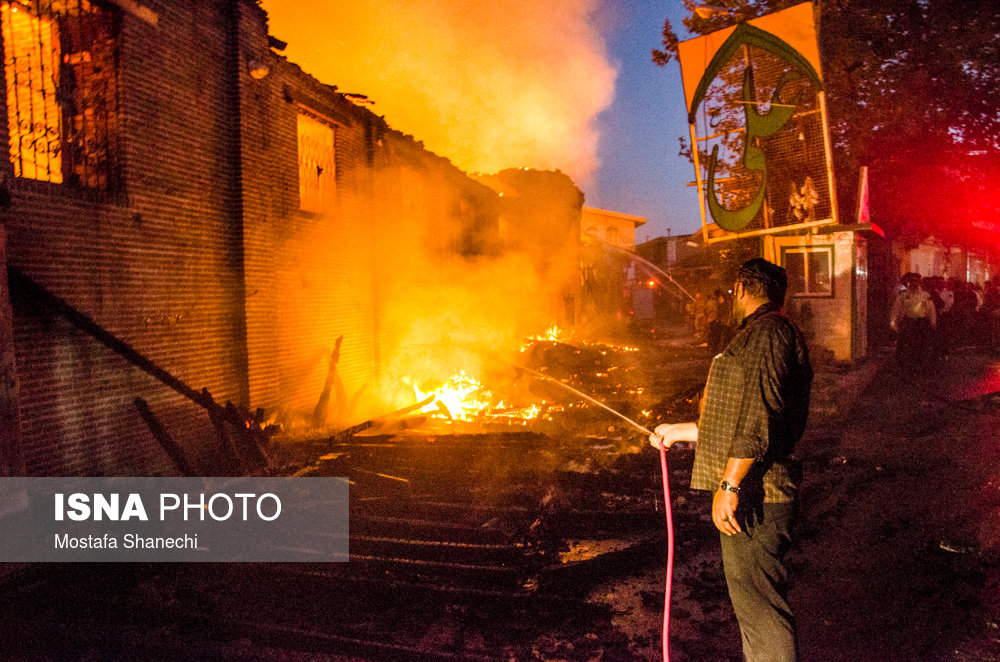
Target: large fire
(465, 398)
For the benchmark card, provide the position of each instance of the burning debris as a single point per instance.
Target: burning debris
(521, 396)
(465, 398)
(509, 478)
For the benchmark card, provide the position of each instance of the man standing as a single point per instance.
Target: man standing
(914, 318)
(754, 410)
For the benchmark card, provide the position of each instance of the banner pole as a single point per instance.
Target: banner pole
(829, 159)
(701, 188)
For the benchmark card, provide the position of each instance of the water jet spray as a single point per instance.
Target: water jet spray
(666, 497)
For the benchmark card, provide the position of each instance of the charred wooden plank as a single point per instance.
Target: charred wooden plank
(346, 434)
(322, 408)
(217, 415)
(481, 554)
(163, 437)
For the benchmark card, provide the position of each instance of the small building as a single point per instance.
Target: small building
(827, 287)
(607, 268)
(610, 227)
(932, 257)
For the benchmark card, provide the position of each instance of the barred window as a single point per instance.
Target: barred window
(317, 168)
(60, 67)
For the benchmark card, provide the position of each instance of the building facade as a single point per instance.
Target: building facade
(188, 213)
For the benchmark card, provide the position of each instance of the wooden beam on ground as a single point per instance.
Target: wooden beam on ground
(361, 427)
(167, 443)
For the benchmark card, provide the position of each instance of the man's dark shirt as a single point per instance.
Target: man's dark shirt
(756, 404)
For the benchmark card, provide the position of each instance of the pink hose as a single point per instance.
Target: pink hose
(670, 555)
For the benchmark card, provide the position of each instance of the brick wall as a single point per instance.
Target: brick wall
(158, 263)
(308, 276)
(202, 260)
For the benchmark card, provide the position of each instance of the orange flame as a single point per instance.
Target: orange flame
(464, 398)
(487, 107)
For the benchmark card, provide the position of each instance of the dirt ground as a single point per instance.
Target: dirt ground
(897, 558)
(898, 551)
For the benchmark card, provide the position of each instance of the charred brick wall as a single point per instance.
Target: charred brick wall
(200, 258)
(314, 277)
(308, 273)
(156, 261)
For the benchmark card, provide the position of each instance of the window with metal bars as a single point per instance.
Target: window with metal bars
(60, 69)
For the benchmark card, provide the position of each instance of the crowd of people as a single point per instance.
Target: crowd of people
(934, 316)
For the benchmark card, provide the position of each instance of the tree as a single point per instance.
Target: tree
(913, 92)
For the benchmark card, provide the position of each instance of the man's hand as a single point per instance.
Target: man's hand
(724, 511)
(668, 434)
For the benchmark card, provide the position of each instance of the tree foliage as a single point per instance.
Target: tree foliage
(913, 92)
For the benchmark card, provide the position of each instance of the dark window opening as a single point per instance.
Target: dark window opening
(810, 270)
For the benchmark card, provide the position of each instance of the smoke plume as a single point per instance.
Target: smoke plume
(490, 84)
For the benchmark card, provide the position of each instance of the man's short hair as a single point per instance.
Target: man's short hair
(763, 280)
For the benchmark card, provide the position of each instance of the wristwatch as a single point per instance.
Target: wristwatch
(726, 487)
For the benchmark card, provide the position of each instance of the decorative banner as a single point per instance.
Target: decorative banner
(173, 519)
(754, 94)
(793, 26)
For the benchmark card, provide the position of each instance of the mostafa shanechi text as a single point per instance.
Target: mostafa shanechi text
(128, 541)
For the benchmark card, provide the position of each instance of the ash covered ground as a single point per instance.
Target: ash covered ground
(548, 543)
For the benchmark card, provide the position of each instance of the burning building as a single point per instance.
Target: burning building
(193, 220)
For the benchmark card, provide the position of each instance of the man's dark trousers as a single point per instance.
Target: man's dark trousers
(753, 561)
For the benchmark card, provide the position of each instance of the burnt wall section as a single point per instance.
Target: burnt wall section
(433, 224)
(11, 458)
(268, 178)
(155, 261)
(308, 273)
(201, 257)
(316, 276)
(540, 217)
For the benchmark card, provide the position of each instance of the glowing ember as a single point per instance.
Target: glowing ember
(552, 334)
(464, 398)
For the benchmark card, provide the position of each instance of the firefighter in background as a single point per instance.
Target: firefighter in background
(914, 319)
(719, 329)
(643, 309)
(696, 315)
